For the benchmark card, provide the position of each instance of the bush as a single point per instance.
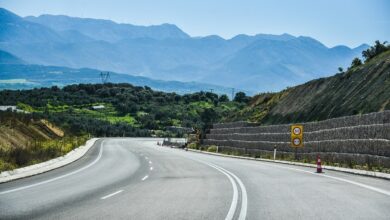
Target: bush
(212, 148)
(4, 166)
(20, 156)
(38, 152)
(193, 146)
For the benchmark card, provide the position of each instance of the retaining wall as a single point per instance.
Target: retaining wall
(362, 139)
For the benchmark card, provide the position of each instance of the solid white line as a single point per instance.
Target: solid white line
(150, 162)
(233, 205)
(358, 184)
(112, 194)
(151, 168)
(145, 177)
(382, 191)
(59, 177)
(244, 201)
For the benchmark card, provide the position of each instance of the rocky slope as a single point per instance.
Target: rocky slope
(359, 90)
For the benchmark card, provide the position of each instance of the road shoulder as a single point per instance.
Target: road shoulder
(339, 169)
(52, 164)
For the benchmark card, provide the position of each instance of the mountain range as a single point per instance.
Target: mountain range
(17, 74)
(253, 63)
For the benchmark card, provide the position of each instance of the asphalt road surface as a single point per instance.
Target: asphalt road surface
(132, 178)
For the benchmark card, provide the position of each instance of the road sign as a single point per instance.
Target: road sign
(296, 135)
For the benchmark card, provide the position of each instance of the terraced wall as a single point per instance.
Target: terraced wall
(354, 140)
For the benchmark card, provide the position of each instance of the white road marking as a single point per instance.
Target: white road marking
(233, 205)
(58, 177)
(244, 201)
(112, 194)
(146, 158)
(145, 177)
(231, 177)
(150, 162)
(151, 168)
(375, 189)
(382, 191)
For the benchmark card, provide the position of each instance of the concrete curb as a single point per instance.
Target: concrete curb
(339, 169)
(52, 164)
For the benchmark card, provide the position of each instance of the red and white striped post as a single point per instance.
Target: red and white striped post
(319, 167)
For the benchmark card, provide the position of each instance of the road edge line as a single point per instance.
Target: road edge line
(338, 169)
(372, 188)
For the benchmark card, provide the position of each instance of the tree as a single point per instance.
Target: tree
(341, 70)
(356, 62)
(375, 50)
(208, 117)
(241, 97)
(211, 96)
(223, 98)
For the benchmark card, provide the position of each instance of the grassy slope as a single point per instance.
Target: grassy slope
(25, 142)
(19, 134)
(360, 90)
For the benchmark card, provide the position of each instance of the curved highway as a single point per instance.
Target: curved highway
(133, 178)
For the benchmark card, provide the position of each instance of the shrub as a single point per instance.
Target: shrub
(212, 148)
(4, 166)
(193, 145)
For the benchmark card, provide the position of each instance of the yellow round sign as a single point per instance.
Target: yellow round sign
(297, 130)
(296, 141)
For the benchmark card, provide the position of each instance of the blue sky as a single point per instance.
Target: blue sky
(333, 22)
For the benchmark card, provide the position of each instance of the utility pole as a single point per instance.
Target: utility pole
(211, 90)
(104, 76)
(232, 94)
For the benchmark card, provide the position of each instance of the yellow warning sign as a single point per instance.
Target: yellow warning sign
(296, 135)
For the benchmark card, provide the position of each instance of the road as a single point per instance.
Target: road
(132, 178)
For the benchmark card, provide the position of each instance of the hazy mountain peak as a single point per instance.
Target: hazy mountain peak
(16, 29)
(287, 35)
(341, 48)
(283, 37)
(361, 47)
(8, 58)
(107, 30)
(213, 37)
(311, 41)
(7, 16)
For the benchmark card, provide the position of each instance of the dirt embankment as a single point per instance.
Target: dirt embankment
(26, 140)
(18, 134)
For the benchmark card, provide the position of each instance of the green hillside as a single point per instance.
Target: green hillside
(25, 139)
(126, 110)
(361, 89)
